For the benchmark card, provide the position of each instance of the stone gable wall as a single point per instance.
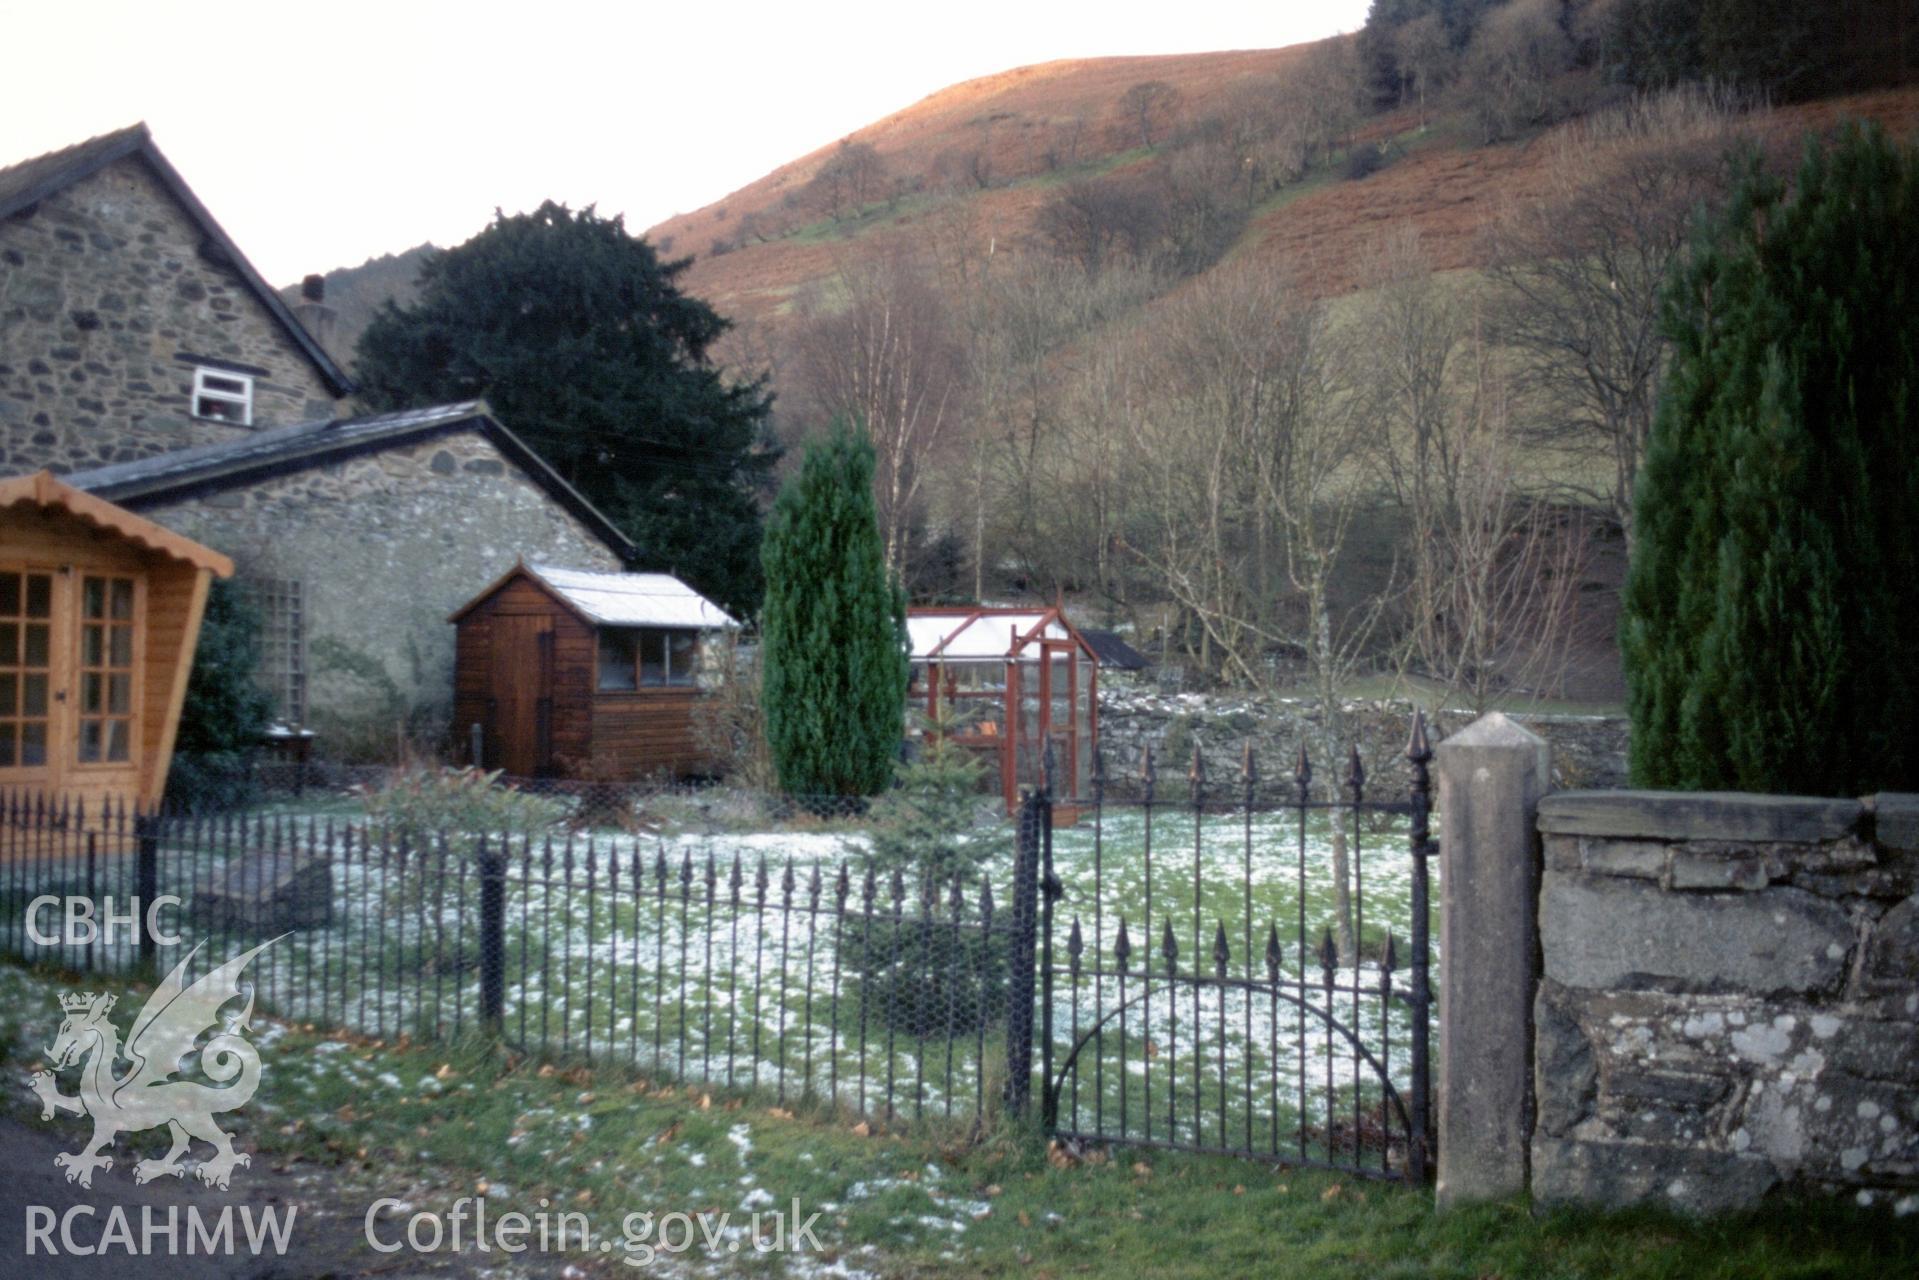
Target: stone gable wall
(101, 287)
(1730, 999)
(386, 546)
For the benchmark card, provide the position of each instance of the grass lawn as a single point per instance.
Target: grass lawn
(606, 1143)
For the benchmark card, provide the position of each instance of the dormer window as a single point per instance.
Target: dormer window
(223, 396)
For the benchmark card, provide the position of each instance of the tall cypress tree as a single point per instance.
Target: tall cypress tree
(833, 684)
(1770, 609)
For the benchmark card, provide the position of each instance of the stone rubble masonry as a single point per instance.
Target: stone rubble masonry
(1730, 1002)
(386, 545)
(102, 286)
(1587, 751)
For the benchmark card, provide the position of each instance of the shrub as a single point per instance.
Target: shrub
(1769, 608)
(1364, 162)
(225, 714)
(927, 837)
(420, 804)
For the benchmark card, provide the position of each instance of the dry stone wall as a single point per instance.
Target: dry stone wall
(1729, 1002)
(1587, 751)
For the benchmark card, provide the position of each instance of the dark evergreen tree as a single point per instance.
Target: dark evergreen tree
(225, 714)
(834, 663)
(1770, 611)
(579, 337)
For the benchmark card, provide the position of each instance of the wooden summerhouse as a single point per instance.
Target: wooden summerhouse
(1006, 682)
(573, 673)
(99, 616)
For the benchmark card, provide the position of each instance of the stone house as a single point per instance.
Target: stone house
(130, 323)
(144, 358)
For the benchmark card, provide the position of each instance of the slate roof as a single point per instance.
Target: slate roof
(632, 599)
(26, 184)
(281, 451)
(1113, 651)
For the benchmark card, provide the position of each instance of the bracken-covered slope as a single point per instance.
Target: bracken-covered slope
(1039, 126)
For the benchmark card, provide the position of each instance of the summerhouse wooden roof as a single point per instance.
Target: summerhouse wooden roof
(45, 490)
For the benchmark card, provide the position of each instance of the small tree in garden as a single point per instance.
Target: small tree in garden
(834, 662)
(923, 976)
(1770, 609)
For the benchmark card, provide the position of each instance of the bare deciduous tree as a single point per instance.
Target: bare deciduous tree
(1250, 444)
(1509, 67)
(1426, 58)
(1150, 107)
(1495, 580)
(1579, 273)
(888, 358)
(854, 176)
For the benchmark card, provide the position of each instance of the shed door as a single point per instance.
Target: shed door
(521, 688)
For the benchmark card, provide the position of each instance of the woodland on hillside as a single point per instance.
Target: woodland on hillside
(1300, 364)
(1275, 488)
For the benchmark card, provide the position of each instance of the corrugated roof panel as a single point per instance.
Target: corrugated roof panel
(633, 599)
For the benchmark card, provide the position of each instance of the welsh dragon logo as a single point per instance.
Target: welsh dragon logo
(146, 1095)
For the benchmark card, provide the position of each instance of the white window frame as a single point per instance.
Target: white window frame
(242, 398)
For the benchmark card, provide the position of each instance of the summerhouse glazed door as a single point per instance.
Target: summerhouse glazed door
(30, 729)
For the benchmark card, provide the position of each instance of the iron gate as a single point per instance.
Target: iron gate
(1210, 986)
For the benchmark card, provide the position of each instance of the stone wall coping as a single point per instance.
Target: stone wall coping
(1897, 819)
(1703, 815)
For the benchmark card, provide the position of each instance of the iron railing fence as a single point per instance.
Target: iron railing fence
(811, 975)
(1238, 967)
(1163, 967)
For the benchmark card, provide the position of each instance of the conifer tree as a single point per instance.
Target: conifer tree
(834, 662)
(1770, 609)
(577, 335)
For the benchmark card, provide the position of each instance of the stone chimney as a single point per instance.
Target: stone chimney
(314, 314)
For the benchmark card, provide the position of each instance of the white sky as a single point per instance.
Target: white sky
(323, 134)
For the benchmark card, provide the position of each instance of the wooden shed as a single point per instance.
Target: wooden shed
(1010, 681)
(99, 616)
(575, 673)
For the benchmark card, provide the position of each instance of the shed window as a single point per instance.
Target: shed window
(619, 658)
(223, 396)
(647, 657)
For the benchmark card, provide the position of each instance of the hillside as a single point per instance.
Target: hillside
(1060, 297)
(356, 293)
(1434, 177)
